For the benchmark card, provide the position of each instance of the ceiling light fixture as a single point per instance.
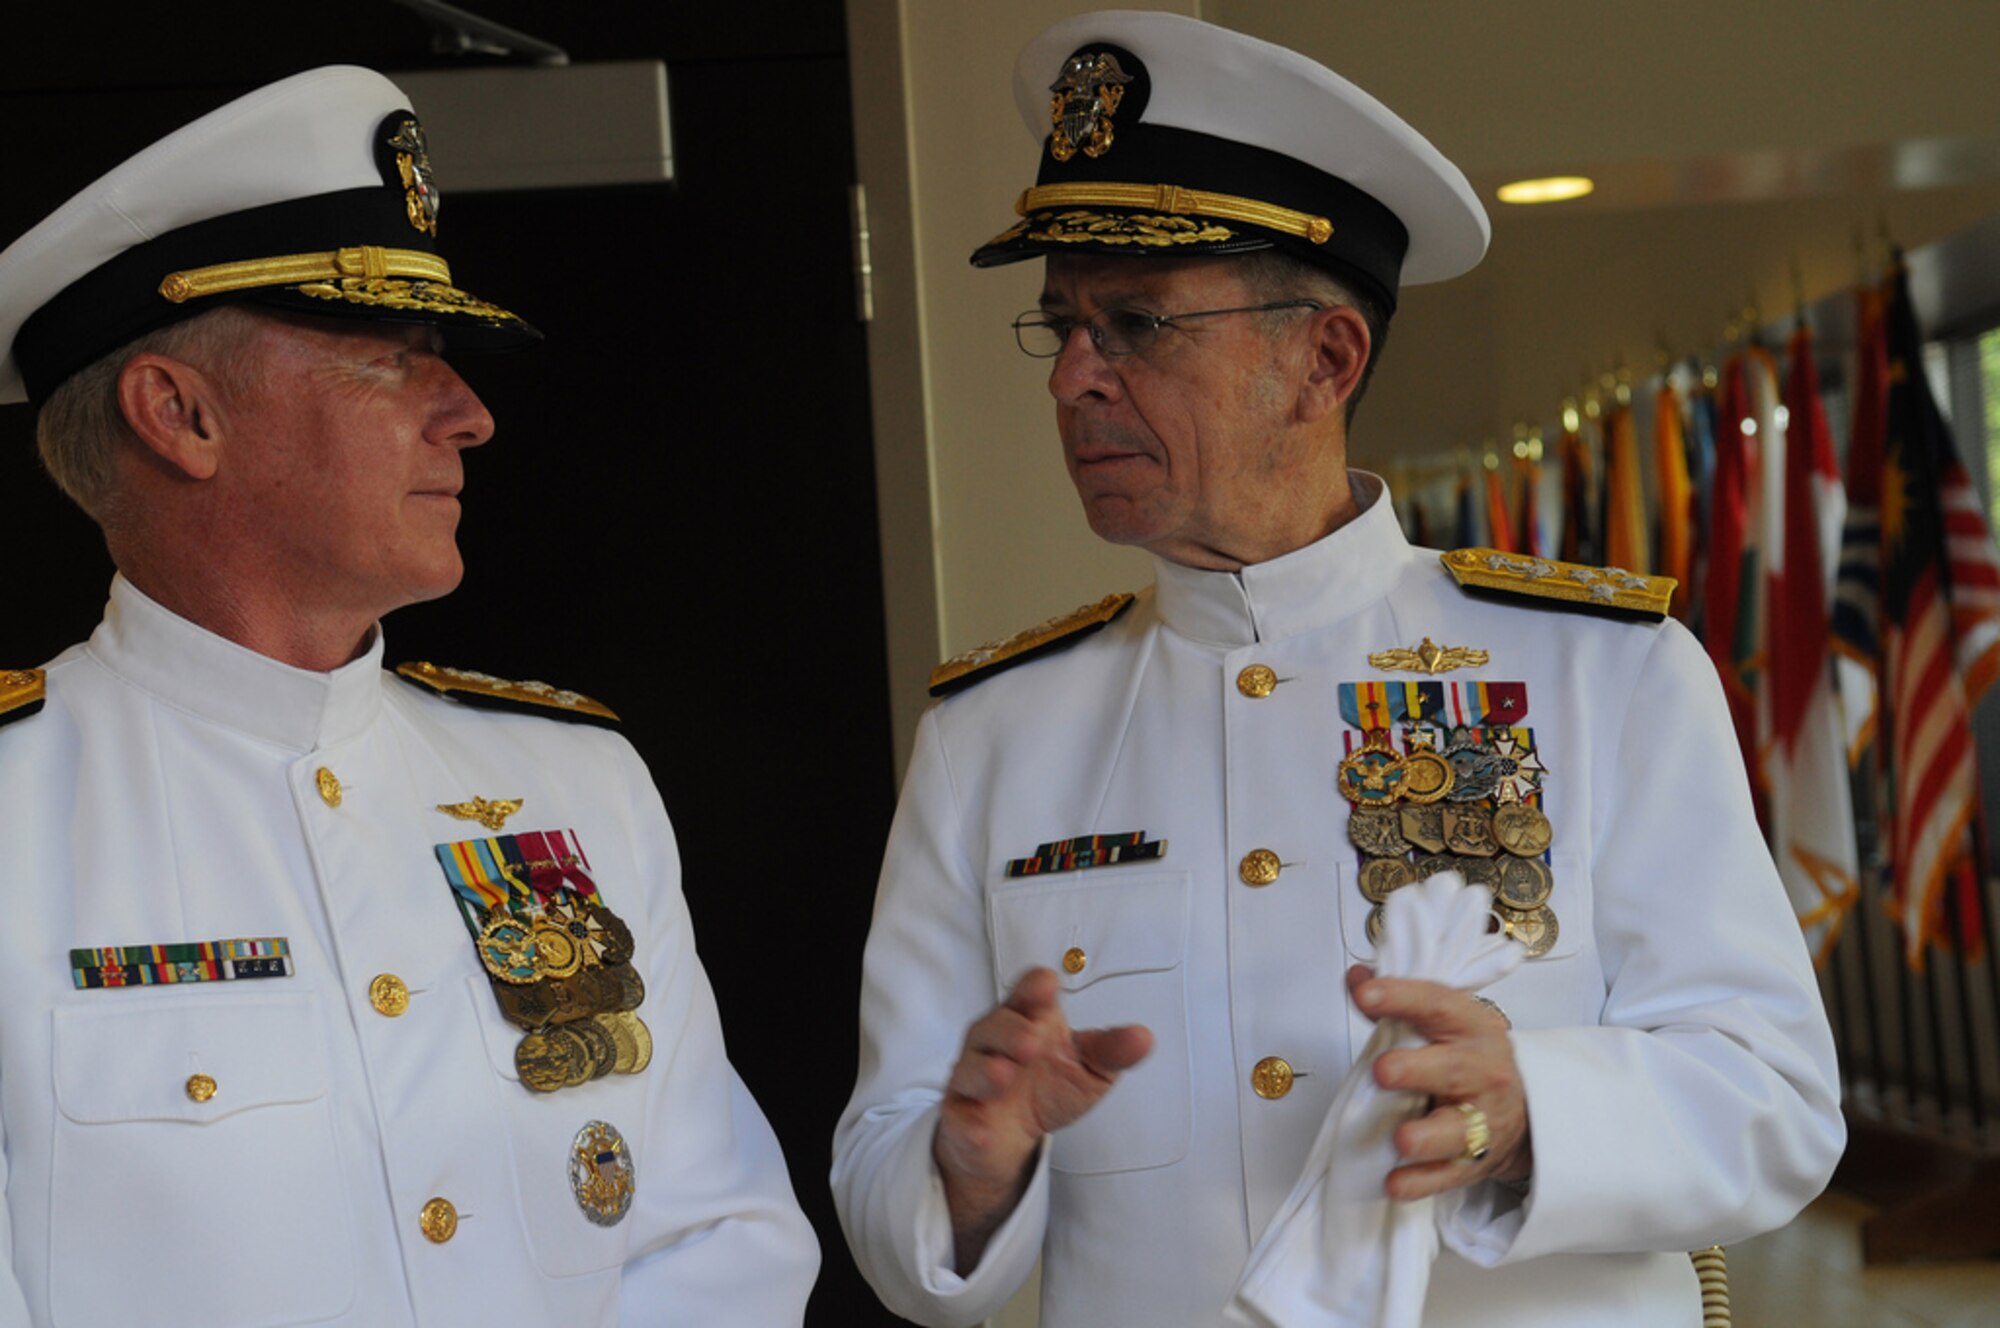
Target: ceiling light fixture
(1553, 189)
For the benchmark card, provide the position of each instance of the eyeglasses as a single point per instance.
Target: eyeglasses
(1119, 331)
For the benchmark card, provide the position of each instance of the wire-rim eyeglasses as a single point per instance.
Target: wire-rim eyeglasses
(1120, 331)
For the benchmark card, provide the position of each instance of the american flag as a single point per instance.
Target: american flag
(1935, 634)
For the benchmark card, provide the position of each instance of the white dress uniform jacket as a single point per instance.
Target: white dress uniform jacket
(1677, 1061)
(170, 791)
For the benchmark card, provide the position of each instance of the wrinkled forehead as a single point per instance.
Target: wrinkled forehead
(1090, 281)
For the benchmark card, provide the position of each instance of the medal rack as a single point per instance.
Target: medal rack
(1466, 799)
(559, 961)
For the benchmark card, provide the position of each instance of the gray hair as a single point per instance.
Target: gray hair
(81, 427)
(1272, 274)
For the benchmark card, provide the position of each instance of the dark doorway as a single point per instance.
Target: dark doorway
(678, 512)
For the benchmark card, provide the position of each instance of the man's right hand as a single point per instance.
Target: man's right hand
(1022, 1073)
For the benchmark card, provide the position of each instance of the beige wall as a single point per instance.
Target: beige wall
(1730, 138)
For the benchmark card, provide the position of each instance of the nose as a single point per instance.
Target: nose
(459, 419)
(1081, 371)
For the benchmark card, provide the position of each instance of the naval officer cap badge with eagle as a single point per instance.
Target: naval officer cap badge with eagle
(314, 195)
(1166, 136)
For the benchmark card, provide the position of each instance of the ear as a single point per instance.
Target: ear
(1340, 346)
(174, 409)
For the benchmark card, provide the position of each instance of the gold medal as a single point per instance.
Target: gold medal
(1536, 929)
(1525, 884)
(1380, 877)
(1427, 776)
(579, 1065)
(632, 987)
(622, 1038)
(527, 1006)
(1423, 827)
(1372, 774)
(611, 934)
(1375, 924)
(603, 1049)
(643, 1037)
(543, 1062)
(1468, 832)
(507, 949)
(1431, 864)
(1376, 831)
(1522, 830)
(1483, 872)
(558, 953)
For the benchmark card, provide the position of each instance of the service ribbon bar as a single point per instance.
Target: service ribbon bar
(1370, 706)
(191, 961)
(1380, 705)
(1085, 851)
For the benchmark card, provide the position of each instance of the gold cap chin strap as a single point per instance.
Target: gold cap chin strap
(366, 261)
(1172, 198)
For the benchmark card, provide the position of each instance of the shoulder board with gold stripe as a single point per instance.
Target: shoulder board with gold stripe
(483, 689)
(1610, 591)
(21, 693)
(1057, 633)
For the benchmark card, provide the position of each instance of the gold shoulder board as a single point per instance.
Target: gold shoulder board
(21, 693)
(964, 670)
(483, 689)
(1610, 591)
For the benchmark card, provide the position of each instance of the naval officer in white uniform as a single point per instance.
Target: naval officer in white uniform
(1107, 996)
(328, 994)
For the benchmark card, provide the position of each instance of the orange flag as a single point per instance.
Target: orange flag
(1625, 504)
(1676, 495)
(1500, 525)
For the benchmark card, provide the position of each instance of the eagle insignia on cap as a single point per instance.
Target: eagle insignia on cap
(1087, 94)
(413, 163)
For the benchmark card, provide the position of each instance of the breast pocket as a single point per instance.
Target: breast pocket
(196, 1178)
(1118, 943)
(540, 1130)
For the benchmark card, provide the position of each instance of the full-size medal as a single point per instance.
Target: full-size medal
(1376, 831)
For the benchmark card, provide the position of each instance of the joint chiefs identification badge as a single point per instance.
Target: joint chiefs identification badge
(600, 1173)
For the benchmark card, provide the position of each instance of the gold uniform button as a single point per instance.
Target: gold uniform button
(329, 787)
(1074, 959)
(1257, 682)
(1272, 1077)
(200, 1088)
(1260, 866)
(389, 994)
(439, 1221)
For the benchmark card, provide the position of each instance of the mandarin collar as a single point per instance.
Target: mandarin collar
(193, 669)
(1324, 582)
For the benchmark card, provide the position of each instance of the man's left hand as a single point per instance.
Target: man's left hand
(1469, 1059)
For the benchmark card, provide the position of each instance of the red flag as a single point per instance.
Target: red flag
(1797, 582)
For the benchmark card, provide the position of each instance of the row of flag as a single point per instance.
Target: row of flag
(1854, 623)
